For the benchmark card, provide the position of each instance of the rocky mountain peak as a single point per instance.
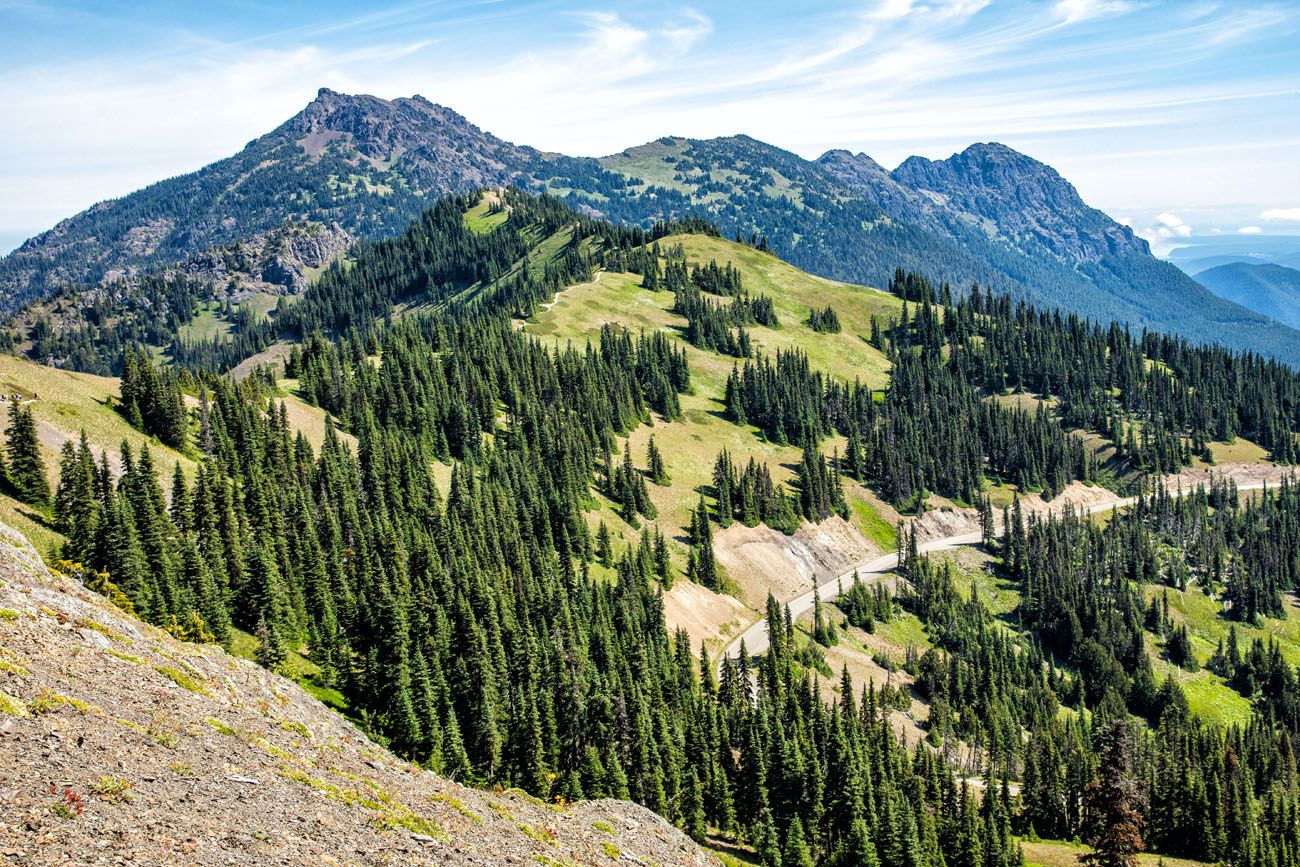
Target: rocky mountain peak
(1027, 200)
(377, 127)
(989, 166)
(863, 174)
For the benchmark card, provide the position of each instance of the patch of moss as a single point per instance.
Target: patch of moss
(127, 657)
(11, 706)
(601, 825)
(62, 810)
(95, 625)
(182, 679)
(263, 743)
(501, 811)
(296, 727)
(9, 663)
(541, 835)
(458, 806)
(113, 789)
(611, 850)
(221, 727)
(547, 861)
(389, 813)
(8, 614)
(164, 731)
(49, 701)
(182, 769)
(532, 799)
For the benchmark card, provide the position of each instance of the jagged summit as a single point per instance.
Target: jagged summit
(1026, 199)
(379, 127)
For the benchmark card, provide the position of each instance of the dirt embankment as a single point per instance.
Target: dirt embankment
(948, 521)
(763, 560)
(120, 745)
(1242, 474)
(705, 615)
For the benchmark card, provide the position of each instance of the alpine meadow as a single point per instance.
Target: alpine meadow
(391, 493)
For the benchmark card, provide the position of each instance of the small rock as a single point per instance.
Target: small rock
(90, 636)
(235, 778)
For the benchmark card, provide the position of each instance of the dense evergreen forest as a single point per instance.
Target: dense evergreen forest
(469, 628)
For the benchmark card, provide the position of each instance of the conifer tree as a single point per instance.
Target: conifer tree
(768, 844)
(24, 465)
(655, 462)
(1113, 800)
(795, 853)
(704, 570)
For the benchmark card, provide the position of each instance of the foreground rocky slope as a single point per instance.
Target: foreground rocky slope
(120, 745)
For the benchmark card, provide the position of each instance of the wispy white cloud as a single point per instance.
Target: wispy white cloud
(1113, 106)
(694, 27)
(1287, 214)
(1165, 231)
(1074, 11)
(1250, 230)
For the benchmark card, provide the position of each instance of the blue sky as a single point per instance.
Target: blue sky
(1182, 118)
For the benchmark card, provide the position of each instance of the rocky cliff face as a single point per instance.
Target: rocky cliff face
(1024, 199)
(280, 261)
(119, 744)
(861, 173)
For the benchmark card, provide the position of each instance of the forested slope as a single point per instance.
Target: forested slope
(474, 560)
(121, 741)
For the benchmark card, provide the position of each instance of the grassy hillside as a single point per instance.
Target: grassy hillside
(65, 403)
(1052, 853)
(691, 444)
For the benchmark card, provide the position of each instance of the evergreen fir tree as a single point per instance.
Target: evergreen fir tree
(1114, 802)
(24, 465)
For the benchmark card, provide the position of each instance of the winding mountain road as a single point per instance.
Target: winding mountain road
(756, 636)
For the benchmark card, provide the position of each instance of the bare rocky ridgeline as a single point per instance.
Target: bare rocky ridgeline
(279, 261)
(121, 745)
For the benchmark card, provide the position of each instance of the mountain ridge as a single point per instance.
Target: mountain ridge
(368, 165)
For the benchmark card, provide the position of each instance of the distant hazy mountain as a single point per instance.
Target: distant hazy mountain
(1203, 252)
(367, 166)
(1273, 290)
(1205, 263)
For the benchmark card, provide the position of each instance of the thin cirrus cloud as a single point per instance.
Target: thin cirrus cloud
(99, 103)
(1291, 215)
(1074, 11)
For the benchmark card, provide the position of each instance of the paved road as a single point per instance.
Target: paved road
(756, 636)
